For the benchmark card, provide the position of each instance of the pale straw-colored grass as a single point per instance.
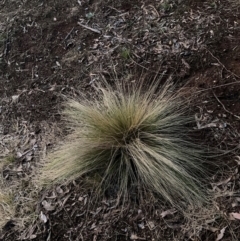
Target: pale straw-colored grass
(7, 208)
(132, 138)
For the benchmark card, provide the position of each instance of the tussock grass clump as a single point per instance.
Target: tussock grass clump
(131, 138)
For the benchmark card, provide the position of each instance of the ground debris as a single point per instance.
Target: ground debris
(50, 49)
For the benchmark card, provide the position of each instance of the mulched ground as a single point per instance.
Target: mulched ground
(53, 48)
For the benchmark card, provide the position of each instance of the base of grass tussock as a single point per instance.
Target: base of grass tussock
(130, 139)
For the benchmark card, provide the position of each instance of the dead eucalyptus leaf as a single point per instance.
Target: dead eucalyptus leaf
(221, 234)
(43, 217)
(59, 190)
(15, 98)
(141, 225)
(19, 154)
(135, 237)
(235, 215)
(47, 206)
(237, 160)
(168, 212)
(151, 225)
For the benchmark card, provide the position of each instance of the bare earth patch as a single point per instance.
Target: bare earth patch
(49, 49)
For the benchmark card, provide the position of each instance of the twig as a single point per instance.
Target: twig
(68, 35)
(89, 28)
(223, 106)
(139, 64)
(156, 11)
(218, 86)
(114, 9)
(222, 64)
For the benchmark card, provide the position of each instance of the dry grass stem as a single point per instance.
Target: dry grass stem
(6, 208)
(130, 138)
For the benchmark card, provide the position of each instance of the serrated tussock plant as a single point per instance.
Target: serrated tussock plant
(132, 138)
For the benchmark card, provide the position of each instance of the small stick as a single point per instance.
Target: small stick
(237, 76)
(218, 86)
(223, 106)
(89, 28)
(68, 35)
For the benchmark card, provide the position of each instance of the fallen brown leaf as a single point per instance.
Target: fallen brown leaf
(168, 212)
(135, 237)
(235, 216)
(221, 234)
(47, 206)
